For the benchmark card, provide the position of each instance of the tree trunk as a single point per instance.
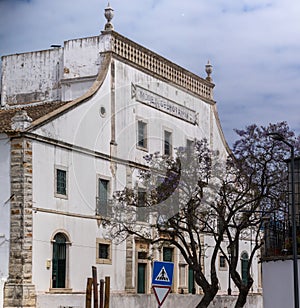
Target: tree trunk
(207, 298)
(242, 298)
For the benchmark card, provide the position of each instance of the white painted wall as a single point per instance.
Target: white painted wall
(74, 68)
(84, 127)
(278, 283)
(82, 191)
(245, 246)
(81, 57)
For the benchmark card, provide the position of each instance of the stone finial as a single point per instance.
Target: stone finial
(20, 121)
(208, 69)
(109, 14)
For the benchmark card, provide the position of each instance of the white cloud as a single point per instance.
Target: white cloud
(252, 44)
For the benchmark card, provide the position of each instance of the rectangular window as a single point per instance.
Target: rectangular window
(222, 263)
(142, 135)
(60, 182)
(189, 148)
(167, 143)
(102, 199)
(168, 254)
(141, 209)
(141, 277)
(182, 275)
(103, 250)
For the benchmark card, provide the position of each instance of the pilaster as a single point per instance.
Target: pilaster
(19, 290)
(129, 265)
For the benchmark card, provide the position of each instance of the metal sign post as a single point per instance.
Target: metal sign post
(162, 278)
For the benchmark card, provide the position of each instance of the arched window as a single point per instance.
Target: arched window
(59, 261)
(244, 269)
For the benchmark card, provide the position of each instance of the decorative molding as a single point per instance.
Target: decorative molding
(163, 104)
(160, 66)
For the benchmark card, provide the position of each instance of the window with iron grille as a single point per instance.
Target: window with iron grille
(60, 182)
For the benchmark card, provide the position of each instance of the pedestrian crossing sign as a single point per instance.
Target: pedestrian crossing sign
(162, 273)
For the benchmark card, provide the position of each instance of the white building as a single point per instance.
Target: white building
(75, 121)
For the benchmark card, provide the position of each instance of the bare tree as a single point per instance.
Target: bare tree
(199, 192)
(254, 188)
(173, 196)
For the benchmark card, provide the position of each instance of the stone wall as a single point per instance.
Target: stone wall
(145, 301)
(19, 291)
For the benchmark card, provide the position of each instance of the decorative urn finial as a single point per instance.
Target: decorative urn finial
(208, 69)
(109, 14)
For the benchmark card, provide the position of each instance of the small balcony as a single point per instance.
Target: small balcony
(278, 238)
(103, 208)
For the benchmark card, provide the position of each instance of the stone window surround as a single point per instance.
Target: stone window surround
(175, 261)
(142, 246)
(106, 242)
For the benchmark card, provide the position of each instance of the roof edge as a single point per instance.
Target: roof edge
(106, 59)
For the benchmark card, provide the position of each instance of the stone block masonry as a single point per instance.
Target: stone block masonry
(19, 290)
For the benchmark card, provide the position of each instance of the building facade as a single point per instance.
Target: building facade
(76, 122)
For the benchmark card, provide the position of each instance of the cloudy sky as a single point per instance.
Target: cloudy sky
(253, 45)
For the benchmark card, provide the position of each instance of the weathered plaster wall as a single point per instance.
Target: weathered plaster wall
(142, 301)
(63, 73)
(81, 57)
(85, 126)
(31, 77)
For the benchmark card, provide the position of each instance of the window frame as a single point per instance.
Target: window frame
(108, 260)
(244, 267)
(182, 275)
(108, 192)
(143, 147)
(56, 193)
(225, 267)
(168, 248)
(170, 142)
(67, 243)
(145, 218)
